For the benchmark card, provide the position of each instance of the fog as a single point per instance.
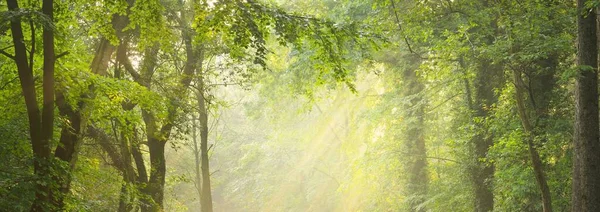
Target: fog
(291, 153)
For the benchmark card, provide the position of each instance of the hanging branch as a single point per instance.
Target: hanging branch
(400, 28)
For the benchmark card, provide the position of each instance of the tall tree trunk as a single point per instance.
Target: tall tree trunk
(142, 174)
(529, 131)
(158, 170)
(206, 198)
(153, 193)
(129, 179)
(48, 82)
(40, 150)
(26, 79)
(41, 126)
(414, 141)
(482, 172)
(195, 58)
(71, 134)
(66, 151)
(197, 159)
(586, 144)
(483, 175)
(158, 137)
(489, 76)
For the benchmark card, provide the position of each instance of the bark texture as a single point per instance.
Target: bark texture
(41, 124)
(586, 144)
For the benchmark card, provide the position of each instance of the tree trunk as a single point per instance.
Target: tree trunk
(142, 174)
(122, 162)
(482, 172)
(41, 126)
(40, 150)
(158, 170)
(206, 197)
(125, 202)
(66, 152)
(414, 141)
(197, 163)
(158, 136)
(586, 144)
(483, 175)
(534, 155)
(48, 82)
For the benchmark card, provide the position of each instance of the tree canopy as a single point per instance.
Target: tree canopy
(318, 105)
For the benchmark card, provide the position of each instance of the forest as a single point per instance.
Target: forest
(299, 105)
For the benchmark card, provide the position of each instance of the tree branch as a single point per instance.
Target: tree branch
(123, 59)
(61, 55)
(7, 54)
(400, 27)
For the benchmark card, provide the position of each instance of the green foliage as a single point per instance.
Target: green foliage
(95, 185)
(285, 135)
(100, 15)
(146, 18)
(247, 25)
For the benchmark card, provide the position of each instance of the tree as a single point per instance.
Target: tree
(370, 105)
(586, 160)
(414, 138)
(41, 124)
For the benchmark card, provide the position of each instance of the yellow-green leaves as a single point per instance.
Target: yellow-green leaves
(147, 17)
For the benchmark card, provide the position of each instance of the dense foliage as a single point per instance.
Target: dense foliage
(318, 105)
